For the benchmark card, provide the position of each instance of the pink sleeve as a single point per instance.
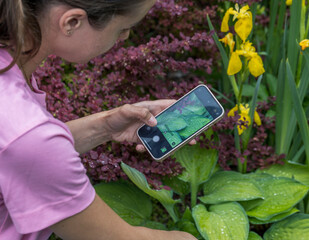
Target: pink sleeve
(42, 179)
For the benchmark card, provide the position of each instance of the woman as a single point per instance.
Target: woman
(43, 184)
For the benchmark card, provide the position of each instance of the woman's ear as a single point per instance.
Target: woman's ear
(71, 20)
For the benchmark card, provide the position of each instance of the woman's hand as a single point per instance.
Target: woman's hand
(123, 122)
(152, 234)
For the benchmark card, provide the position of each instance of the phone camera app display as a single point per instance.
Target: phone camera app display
(183, 119)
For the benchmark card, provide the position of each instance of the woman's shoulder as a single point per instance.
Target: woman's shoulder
(20, 110)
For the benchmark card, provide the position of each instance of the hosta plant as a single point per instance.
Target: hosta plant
(211, 203)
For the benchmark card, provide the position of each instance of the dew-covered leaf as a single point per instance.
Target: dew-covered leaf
(291, 228)
(226, 221)
(274, 219)
(289, 170)
(280, 195)
(250, 204)
(229, 186)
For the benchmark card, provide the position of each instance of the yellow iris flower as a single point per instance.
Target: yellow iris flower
(243, 26)
(235, 64)
(228, 40)
(255, 64)
(244, 117)
(304, 44)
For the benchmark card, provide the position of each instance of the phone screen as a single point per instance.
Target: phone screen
(183, 119)
(176, 124)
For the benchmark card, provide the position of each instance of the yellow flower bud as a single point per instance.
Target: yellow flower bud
(288, 2)
(257, 119)
(228, 40)
(304, 44)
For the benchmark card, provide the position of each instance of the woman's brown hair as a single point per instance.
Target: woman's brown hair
(19, 20)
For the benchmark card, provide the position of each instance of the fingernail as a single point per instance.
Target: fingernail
(152, 121)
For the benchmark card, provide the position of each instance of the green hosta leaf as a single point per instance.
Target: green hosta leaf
(292, 228)
(188, 226)
(187, 223)
(250, 204)
(187, 215)
(165, 197)
(280, 195)
(130, 203)
(289, 170)
(179, 186)
(198, 163)
(254, 236)
(276, 218)
(228, 186)
(226, 221)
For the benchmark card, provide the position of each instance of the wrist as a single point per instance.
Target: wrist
(101, 127)
(143, 233)
(89, 132)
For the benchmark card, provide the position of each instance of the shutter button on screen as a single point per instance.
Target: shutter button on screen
(156, 138)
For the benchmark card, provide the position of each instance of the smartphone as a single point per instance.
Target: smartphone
(181, 122)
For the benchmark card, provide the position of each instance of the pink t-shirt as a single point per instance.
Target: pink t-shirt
(42, 179)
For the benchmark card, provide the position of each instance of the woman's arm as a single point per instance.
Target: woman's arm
(99, 221)
(119, 124)
(89, 132)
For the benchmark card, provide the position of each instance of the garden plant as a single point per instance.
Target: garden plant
(248, 176)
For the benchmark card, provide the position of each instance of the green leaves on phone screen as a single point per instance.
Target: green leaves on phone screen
(184, 121)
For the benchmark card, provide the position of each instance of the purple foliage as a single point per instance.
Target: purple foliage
(159, 61)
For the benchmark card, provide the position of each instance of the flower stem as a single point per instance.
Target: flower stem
(244, 169)
(194, 189)
(234, 86)
(237, 145)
